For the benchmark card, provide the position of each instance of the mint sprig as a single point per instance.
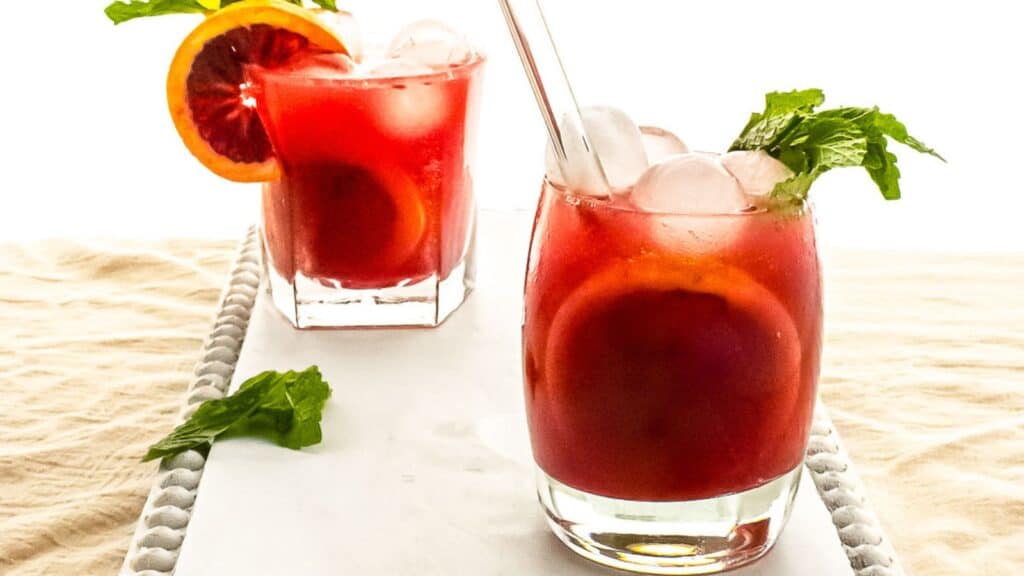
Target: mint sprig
(119, 12)
(812, 142)
(122, 11)
(285, 408)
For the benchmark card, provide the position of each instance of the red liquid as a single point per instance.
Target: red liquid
(663, 368)
(375, 186)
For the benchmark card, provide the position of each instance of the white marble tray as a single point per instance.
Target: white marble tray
(425, 466)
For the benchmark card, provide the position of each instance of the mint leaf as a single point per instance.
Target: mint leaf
(796, 101)
(285, 408)
(811, 143)
(881, 166)
(308, 395)
(122, 11)
(289, 414)
(880, 162)
(327, 5)
(825, 144)
(893, 128)
(761, 131)
(119, 12)
(781, 114)
(212, 419)
(872, 119)
(226, 3)
(794, 190)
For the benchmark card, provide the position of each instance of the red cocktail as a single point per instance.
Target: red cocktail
(371, 221)
(660, 367)
(672, 330)
(364, 152)
(671, 348)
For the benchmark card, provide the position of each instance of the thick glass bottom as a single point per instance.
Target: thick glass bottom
(309, 303)
(691, 537)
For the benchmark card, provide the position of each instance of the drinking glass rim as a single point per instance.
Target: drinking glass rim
(605, 203)
(452, 73)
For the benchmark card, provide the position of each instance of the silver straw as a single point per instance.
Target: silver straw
(546, 73)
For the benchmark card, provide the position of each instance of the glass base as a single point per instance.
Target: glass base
(692, 537)
(311, 304)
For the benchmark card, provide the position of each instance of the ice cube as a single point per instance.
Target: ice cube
(692, 183)
(617, 142)
(431, 43)
(757, 172)
(660, 144)
(697, 201)
(409, 107)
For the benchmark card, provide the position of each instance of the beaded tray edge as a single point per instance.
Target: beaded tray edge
(160, 532)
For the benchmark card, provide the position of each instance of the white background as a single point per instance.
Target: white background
(87, 147)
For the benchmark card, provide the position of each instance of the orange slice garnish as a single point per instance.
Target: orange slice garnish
(209, 93)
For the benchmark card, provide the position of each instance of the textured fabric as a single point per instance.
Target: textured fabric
(98, 342)
(923, 371)
(924, 377)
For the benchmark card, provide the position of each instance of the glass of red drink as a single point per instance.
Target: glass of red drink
(671, 351)
(372, 220)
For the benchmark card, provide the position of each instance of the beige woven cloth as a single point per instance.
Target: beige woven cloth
(924, 374)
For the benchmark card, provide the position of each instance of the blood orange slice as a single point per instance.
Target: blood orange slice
(652, 361)
(209, 94)
(667, 274)
(356, 225)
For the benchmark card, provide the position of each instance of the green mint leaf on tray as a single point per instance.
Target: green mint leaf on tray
(813, 142)
(289, 414)
(285, 408)
(125, 10)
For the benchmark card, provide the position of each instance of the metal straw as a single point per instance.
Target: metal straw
(546, 73)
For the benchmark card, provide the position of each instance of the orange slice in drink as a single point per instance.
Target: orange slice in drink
(656, 331)
(209, 94)
(365, 226)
